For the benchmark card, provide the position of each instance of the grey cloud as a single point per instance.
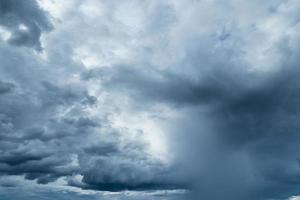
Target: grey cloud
(240, 137)
(44, 142)
(127, 174)
(16, 157)
(46, 127)
(160, 86)
(35, 141)
(118, 165)
(43, 166)
(6, 125)
(236, 135)
(66, 95)
(6, 87)
(26, 21)
(21, 193)
(102, 149)
(33, 132)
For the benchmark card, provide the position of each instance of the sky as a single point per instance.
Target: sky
(149, 100)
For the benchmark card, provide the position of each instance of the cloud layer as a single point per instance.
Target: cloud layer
(197, 95)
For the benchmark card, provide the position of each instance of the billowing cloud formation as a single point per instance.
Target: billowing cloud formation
(172, 95)
(238, 102)
(25, 21)
(48, 129)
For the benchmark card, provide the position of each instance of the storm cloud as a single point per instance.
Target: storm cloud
(26, 21)
(176, 100)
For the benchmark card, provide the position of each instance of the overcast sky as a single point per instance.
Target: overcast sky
(149, 99)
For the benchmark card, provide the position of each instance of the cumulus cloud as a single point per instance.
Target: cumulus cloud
(197, 95)
(237, 98)
(48, 126)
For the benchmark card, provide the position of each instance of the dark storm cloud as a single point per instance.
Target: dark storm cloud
(6, 87)
(237, 134)
(16, 158)
(119, 165)
(241, 136)
(262, 123)
(255, 131)
(41, 166)
(40, 120)
(161, 86)
(119, 186)
(26, 22)
(256, 127)
(43, 124)
(255, 134)
(102, 149)
(46, 130)
(127, 174)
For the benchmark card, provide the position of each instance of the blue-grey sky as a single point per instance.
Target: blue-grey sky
(149, 99)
